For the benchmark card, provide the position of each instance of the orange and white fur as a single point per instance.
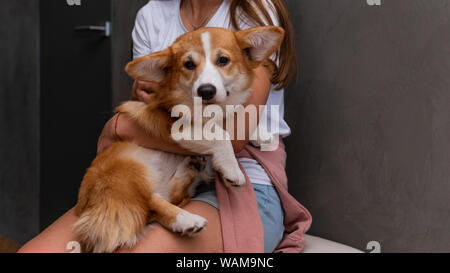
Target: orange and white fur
(128, 186)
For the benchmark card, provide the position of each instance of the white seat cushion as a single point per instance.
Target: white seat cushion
(315, 244)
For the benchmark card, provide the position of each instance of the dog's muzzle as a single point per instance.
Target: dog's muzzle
(207, 91)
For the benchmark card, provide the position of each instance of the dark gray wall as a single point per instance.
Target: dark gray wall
(19, 118)
(370, 149)
(19, 106)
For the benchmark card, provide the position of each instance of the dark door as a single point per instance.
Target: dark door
(75, 97)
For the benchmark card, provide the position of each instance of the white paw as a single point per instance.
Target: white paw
(188, 224)
(233, 175)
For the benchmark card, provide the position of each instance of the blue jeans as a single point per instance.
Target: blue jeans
(269, 206)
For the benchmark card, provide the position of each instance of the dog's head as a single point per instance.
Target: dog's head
(215, 64)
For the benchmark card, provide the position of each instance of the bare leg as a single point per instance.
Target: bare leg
(54, 239)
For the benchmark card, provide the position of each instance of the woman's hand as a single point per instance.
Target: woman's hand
(108, 135)
(142, 90)
(120, 127)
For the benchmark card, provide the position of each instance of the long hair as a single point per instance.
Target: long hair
(253, 10)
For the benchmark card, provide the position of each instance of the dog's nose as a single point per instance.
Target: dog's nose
(206, 91)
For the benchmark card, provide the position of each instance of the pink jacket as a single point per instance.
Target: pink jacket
(242, 229)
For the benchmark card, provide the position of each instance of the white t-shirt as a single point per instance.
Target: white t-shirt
(157, 26)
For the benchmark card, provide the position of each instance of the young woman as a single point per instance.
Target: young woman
(157, 25)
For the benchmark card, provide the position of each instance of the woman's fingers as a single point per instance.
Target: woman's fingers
(110, 133)
(146, 86)
(144, 90)
(143, 95)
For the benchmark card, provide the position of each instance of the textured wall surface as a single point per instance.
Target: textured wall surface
(19, 118)
(370, 150)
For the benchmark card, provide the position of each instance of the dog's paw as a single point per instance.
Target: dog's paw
(197, 163)
(233, 176)
(188, 224)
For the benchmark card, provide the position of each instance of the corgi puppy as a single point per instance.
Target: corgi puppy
(128, 186)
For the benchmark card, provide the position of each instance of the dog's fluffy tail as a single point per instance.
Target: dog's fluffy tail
(109, 225)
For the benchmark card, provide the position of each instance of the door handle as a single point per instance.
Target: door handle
(106, 29)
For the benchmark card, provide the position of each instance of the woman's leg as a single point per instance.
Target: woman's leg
(54, 238)
(157, 239)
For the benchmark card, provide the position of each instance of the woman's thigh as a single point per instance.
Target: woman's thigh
(161, 240)
(56, 237)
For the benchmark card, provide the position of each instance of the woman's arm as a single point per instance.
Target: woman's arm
(258, 97)
(123, 128)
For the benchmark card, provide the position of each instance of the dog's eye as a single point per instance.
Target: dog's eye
(223, 61)
(190, 65)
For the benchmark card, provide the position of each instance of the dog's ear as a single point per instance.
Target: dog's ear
(260, 42)
(152, 68)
